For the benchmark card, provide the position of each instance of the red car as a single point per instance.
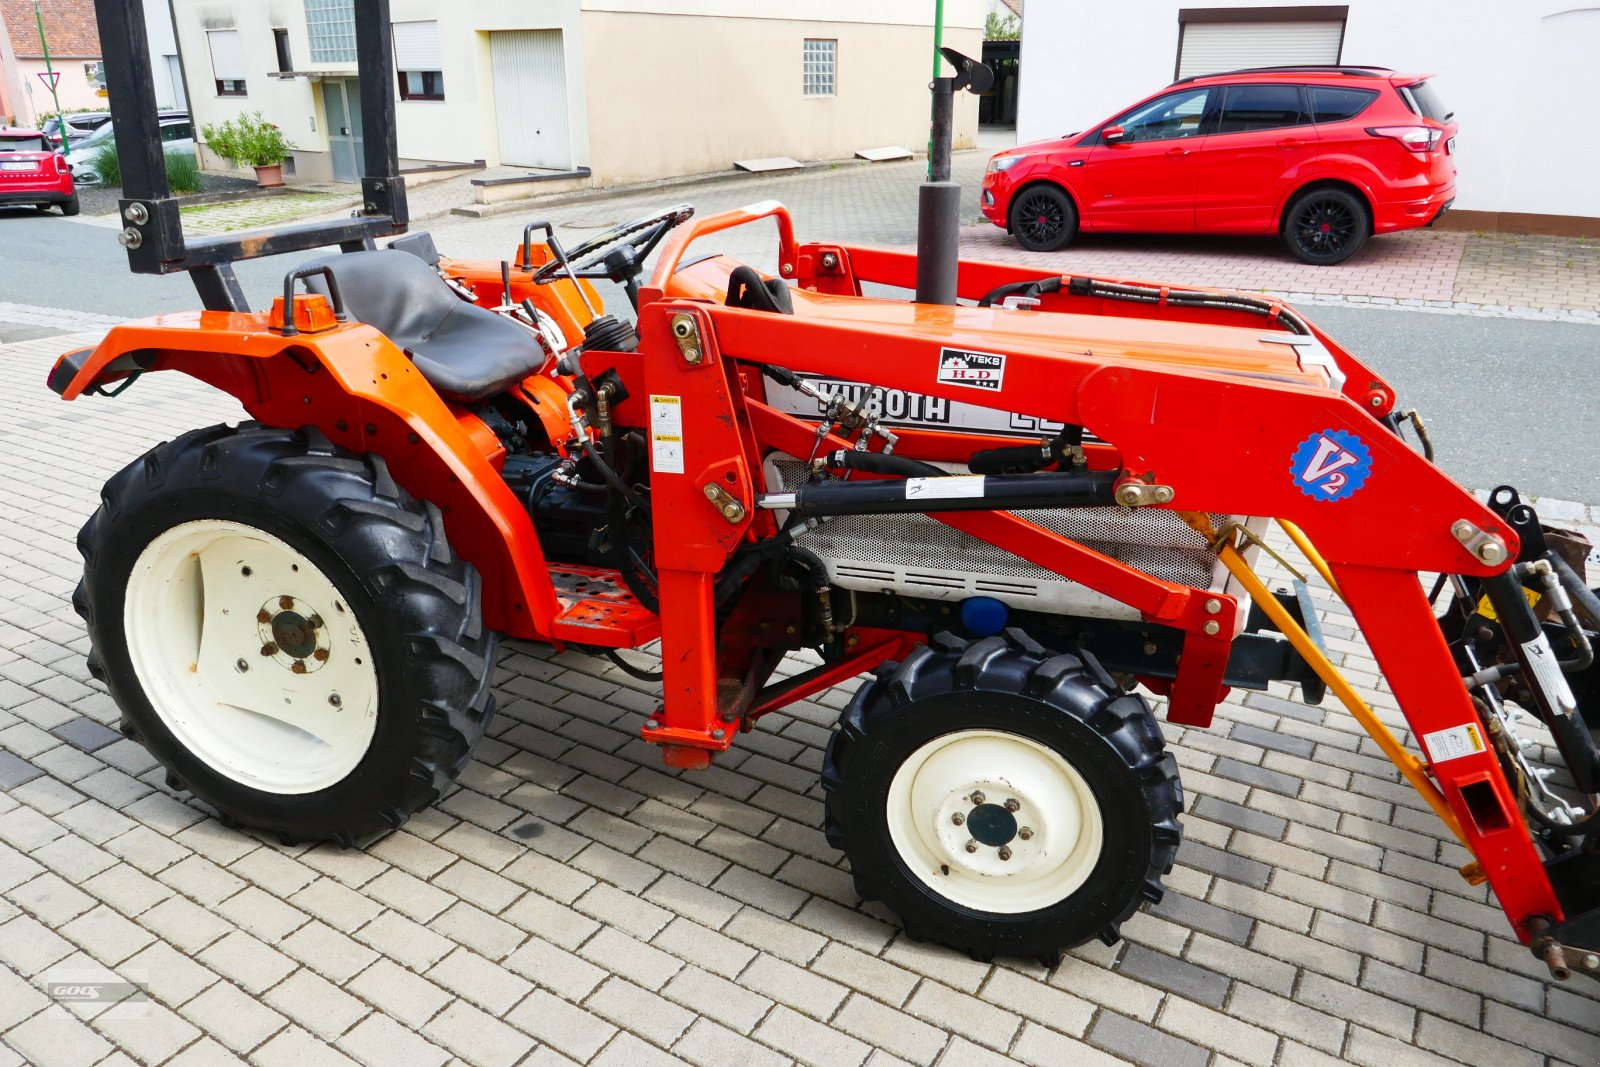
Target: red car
(1322, 156)
(32, 172)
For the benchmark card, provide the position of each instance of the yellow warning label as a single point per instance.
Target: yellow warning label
(1458, 741)
(1486, 609)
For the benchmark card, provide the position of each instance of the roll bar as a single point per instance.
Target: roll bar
(152, 227)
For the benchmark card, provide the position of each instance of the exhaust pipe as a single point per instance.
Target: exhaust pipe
(939, 198)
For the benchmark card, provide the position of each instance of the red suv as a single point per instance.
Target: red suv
(1322, 156)
(32, 172)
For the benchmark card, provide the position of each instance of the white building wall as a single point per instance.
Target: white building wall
(163, 43)
(673, 88)
(1520, 76)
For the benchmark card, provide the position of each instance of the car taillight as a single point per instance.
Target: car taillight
(1421, 139)
(61, 163)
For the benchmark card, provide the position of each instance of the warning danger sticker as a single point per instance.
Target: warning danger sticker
(975, 370)
(1458, 741)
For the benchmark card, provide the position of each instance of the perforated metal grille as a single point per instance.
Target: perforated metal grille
(1156, 542)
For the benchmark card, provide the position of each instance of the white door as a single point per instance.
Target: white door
(530, 98)
(1214, 47)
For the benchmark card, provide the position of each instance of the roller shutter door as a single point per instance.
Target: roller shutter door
(1213, 47)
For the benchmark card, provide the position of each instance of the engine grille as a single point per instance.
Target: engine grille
(923, 557)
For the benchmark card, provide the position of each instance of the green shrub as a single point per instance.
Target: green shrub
(183, 172)
(249, 141)
(106, 165)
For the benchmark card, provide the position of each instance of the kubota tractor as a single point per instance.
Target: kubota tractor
(1015, 510)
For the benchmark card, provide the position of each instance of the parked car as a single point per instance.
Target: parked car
(79, 124)
(1322, 156)
(177, 135)
(33, 172)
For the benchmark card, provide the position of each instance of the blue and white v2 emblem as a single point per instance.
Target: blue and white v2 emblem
(1330, 465)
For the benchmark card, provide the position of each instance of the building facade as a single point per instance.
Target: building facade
(629, 89)
(1519, 76)
(74, 42)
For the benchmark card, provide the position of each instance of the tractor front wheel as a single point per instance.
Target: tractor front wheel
(1001, 799)
(286, 630)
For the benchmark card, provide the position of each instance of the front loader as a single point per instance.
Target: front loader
(1017, 512)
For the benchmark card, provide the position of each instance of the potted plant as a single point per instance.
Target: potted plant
(250, 141)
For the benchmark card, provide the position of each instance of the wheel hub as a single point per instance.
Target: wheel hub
(992, 825)
(292, 634)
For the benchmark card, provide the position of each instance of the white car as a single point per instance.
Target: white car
(177, 135)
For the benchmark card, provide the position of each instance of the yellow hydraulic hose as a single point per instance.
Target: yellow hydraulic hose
(1309, 551)
(1409, 766)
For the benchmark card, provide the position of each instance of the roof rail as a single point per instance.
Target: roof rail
(1297, 68)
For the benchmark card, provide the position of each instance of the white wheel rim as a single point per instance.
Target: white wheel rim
(251, 656)
(994, 821)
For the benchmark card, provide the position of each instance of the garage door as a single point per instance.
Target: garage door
(530, 98)
(1212, 47)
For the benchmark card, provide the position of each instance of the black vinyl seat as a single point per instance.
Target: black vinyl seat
(464, 351)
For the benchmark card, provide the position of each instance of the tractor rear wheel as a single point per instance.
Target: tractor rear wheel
(1001, 799)
(286, 630)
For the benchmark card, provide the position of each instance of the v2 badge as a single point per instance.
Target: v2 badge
(1330, 465)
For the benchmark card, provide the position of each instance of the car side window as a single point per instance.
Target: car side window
(177, 131)
(1173, 115)
(1329, 104)
(1260, 107)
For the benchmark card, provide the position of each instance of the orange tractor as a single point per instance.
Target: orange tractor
(1015, 509)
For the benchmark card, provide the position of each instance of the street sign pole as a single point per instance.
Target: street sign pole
(38, 18)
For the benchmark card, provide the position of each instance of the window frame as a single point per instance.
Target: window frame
(1303, 108)
(407, 94)
(1207, 115)
(1371, 96)
(808, 57)
(280, 43)
(221, 84)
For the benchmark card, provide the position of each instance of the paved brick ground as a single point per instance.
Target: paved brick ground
(573, 902)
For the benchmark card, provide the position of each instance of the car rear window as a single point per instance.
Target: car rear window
(22, 144)
(1335, 105)
(1260, 107)
(1423, 98)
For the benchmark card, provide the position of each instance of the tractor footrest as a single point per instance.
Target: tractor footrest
(597, 609)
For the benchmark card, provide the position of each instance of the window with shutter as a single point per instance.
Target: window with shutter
(417, 61)
(227, 62)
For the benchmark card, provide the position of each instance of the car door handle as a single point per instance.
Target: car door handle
(1076, 163)
(1177, 151)
(1290, 142)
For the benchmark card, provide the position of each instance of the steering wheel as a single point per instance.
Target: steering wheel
(598, 256)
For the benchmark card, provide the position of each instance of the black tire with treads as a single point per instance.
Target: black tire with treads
(1010, 684)
(417, 603)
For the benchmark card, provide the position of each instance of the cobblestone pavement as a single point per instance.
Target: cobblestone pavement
(575, 902)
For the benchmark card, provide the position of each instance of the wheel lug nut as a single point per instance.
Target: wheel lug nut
(286, 602)
(333, 698)
(298, 667)
(315, 622)
(972, 846)
(1026, 833)
(977, 797)
(1012, 804)
(263, 616)
(320, 655)
(242, 665)
(1005, 853)
(269, 649)
(958, 818)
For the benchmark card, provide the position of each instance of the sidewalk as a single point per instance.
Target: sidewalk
(575, 902)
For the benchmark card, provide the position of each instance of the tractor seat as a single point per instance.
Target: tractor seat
(464, 351)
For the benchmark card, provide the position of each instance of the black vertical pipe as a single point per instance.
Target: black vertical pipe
(939, 207)
(383, 190)
(131, 93)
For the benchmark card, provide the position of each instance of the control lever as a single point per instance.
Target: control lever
(561, 257)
